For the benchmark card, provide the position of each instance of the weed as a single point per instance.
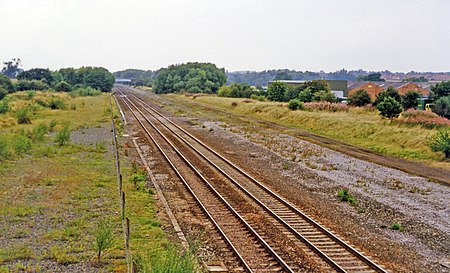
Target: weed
(73, 106)
(285, 166)
(396, 226)
(61, 255)
(52, 125)
(172, 261)
(21, 233)
(23, 116)
(39, 132)
(22, 144)
(16, 252)
(31, 94)
(63, 136)
(103, 238)
(344, 195)
(100, 146)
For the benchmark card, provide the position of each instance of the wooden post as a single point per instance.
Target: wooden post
(127, 244)
(123, 205)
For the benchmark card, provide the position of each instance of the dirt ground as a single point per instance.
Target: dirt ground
(310, 176)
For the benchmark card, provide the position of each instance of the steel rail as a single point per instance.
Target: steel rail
(355, 252)
(234, 212)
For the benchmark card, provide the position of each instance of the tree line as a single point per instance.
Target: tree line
(62, 80)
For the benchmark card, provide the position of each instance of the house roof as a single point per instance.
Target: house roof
(374, 88)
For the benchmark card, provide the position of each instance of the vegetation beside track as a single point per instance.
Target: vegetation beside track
(358, 126)
(54, 194)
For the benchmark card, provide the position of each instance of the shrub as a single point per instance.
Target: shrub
(6, 84)
(31, 94)
(4, 106)
(359, 98)
(63, 86)
(63, 137)
(3, 92)
(344, 195)
(396, 226)
(23, 85)
(86, 91)
(104, 238)
(326, 106)
(390, 92)
(6, 149)
(22, 144)
(442, 107)
(23, 116)
(56, 103)
(295, 104)
(426, 119)
(389, 107)
(39, 132)
(440, 142)
(325, 95)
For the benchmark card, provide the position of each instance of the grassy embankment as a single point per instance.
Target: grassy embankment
(358, 126)
(53, 197)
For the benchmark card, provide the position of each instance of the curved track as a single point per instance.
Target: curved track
(299, 230)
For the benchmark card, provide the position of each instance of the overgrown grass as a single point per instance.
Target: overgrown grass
(359, 126)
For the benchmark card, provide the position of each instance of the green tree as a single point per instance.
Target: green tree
(190, 77)
(6, 84)
(440, 142)
(389, 107)
(11, 68)
(96, 77)
(39, 74)
(359, 98)
(390, 92)
(63, 86)
(325, 95)
(282, 76)
(23, 85)
(373, 77)
(276, 91)
(410, 100)
(441, 89)
(441, 107)
(305, 95)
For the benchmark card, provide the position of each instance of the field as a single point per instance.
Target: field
(358, 126)
(54, 195)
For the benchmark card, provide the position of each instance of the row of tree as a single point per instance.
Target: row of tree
(315, 90)
(63, 80)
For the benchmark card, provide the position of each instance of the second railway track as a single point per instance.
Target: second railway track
(281, 229)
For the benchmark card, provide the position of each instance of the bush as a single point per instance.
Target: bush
(86, 91)
(396, 226)
(63, 86)
(39, 132)
(359, 98)
(23, 116)
(326, 106)
(63, 137)
(6, 84)
(442, 107)
(345, 196)
(23, 85)
(426, 119)
(22, 144)
(325, 95)
(295, 104)
(389, 107)
(440, 142)
(3, 92)
(56, 103)
(4, 106)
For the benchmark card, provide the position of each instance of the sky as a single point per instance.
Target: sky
(329, 35)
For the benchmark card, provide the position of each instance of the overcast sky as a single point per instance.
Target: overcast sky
(399, 35)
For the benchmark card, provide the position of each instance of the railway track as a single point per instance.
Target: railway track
(230, 184)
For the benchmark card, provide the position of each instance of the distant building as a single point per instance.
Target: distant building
(123, 81)
(337, 87)
(374, 88)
